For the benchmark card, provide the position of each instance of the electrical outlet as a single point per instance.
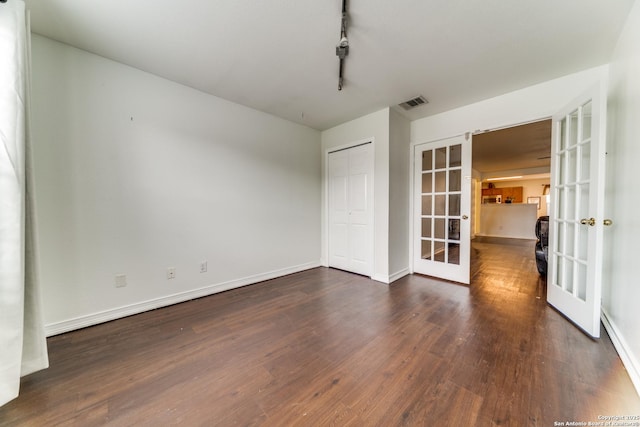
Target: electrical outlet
(171, 273)
(121, 280)
(203, 267)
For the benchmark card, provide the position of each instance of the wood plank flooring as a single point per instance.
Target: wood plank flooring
(326, 347)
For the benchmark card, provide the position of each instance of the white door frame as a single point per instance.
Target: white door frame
(601, 130)
(412, 187)
(325, 195)
(412, 163)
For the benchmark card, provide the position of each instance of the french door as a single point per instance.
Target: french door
(442, 204)
(577, 214)
(350, 207)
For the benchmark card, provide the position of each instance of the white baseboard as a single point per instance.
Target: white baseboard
(392, 278)
(398, 275)
(624, 351)
(380, 278)
(128, 310)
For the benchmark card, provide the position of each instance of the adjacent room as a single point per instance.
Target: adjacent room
(512, 171)
(318, 213)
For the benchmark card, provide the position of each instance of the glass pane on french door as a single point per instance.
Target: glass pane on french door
(442, 203)
(572, 220)
(441, 192)
(576, 214)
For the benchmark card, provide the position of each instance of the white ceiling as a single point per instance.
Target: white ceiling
(278, 56)
(515, 148)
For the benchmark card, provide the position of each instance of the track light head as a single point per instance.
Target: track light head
(342, 52)
(342, 48)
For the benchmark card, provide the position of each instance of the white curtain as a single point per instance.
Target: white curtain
(23, 346)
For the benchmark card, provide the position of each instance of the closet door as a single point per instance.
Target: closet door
(350, 208)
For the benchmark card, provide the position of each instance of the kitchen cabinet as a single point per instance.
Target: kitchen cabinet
(492, 191)
(515, 193)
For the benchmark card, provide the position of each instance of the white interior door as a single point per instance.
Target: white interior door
(575, 255)
(442, 205)
(350, 207)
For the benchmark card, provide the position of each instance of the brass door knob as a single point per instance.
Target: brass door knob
(591, 221)
(607, 222)
(465, 217)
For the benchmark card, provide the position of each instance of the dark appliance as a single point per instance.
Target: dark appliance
(542, 245)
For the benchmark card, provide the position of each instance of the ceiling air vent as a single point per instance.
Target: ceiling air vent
(415, 102)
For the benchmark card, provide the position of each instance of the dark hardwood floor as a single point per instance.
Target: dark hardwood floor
(325, 347)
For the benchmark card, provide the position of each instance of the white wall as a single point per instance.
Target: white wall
(135, 174)
(621, 292)
(510, 220)
(534, 188)
(526, 105)
(399, 195)
(522, 106)
(372, 127)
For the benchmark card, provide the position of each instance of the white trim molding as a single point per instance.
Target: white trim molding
(380, 278)
(399, 275)
(624, 351)
(391, 278)
(140, 307)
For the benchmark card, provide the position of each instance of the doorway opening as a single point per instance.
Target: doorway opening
(576, 172)
(511, 170)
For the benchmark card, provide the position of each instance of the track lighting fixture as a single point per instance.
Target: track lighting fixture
(342, 48)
